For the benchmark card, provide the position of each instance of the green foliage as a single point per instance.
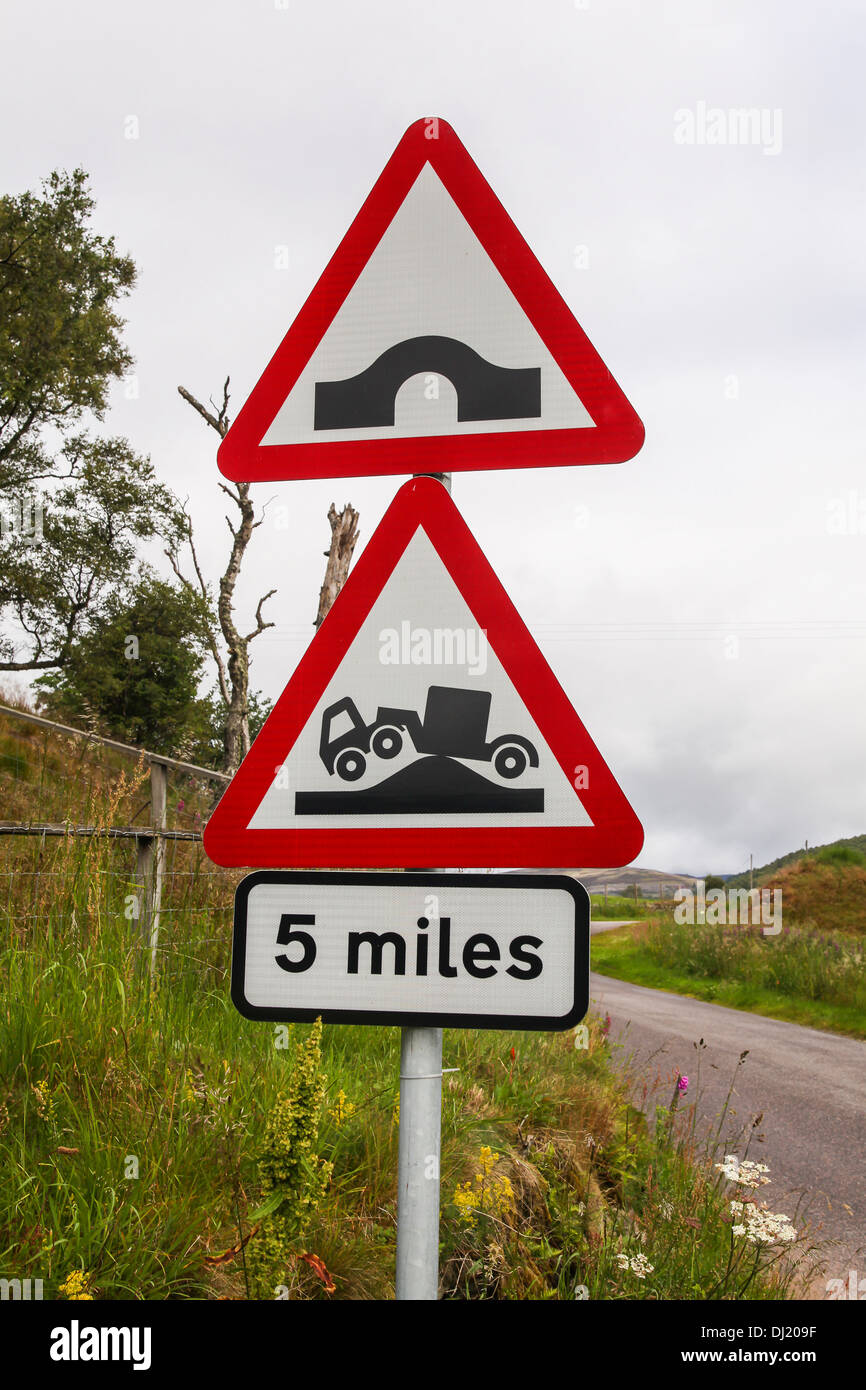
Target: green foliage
(206, 744)
(616, 908)
(293, 1177)
(60, 343)
(93, 526)
(798, 962)
(60, 350)
(136, 669)
(713, 881)
(841, 854)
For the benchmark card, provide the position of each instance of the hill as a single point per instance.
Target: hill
(766, 871)
(829, 896)
(651, 883)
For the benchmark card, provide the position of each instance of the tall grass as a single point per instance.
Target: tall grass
(800, 962)
(134, 1115)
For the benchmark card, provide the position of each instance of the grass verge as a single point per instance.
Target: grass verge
(614, 909)
(154, 1144)
(640, 956)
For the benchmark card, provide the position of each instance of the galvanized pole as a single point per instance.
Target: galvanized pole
(418, 1163)
(419, 1149)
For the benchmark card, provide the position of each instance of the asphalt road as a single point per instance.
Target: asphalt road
(810, 1086)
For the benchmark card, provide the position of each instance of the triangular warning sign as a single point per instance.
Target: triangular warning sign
(433, 340)
(423, 727)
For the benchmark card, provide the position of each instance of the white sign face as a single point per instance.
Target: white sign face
(431, 298)
(444, 950)
(420, 720)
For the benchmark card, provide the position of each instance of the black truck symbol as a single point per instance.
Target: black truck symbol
(454, 726)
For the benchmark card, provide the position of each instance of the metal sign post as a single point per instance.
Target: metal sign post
(421, 951)
(419, 1148)
(418, 1163)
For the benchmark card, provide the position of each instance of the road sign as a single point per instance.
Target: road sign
(433, 341)
(423, 727)
(431, 950)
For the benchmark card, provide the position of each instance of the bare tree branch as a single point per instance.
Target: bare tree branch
(232, 495)
(260, 626)
(233, 670)
(218, 422)
(213, 645)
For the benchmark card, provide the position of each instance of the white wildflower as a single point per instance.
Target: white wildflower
(744, 1171)
(763, 1227)
(641, 1267)
(638, 1264)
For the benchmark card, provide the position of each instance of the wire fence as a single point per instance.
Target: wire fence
(93, 831)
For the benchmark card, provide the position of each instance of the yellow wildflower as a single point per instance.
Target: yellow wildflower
(342, 1109)
(44, 1102)
(490, 1193)
(75, 1286)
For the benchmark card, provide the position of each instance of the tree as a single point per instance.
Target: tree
(60, 343)
(60, 349)
(92, 527)
(207, 746)
(136, 671)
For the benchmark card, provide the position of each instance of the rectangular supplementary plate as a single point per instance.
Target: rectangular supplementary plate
(425, 949)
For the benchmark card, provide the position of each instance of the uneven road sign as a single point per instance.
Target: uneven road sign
(433, 342)
(423, 726)
(431, 950)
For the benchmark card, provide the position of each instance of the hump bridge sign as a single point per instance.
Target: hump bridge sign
(433, 341)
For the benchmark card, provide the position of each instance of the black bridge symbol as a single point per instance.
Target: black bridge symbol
(484, 391)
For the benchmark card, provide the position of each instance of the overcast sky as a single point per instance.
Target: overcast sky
(722, 284)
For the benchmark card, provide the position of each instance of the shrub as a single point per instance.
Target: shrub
(293, 1177)
(840, 854)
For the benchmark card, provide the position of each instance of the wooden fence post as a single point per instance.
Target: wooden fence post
(150, 863)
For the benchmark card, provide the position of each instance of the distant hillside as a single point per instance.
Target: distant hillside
(830, 897)
(766, 871)
(651, 883)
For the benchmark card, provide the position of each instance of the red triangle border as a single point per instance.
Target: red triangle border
(614, 838)
(618, 433)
